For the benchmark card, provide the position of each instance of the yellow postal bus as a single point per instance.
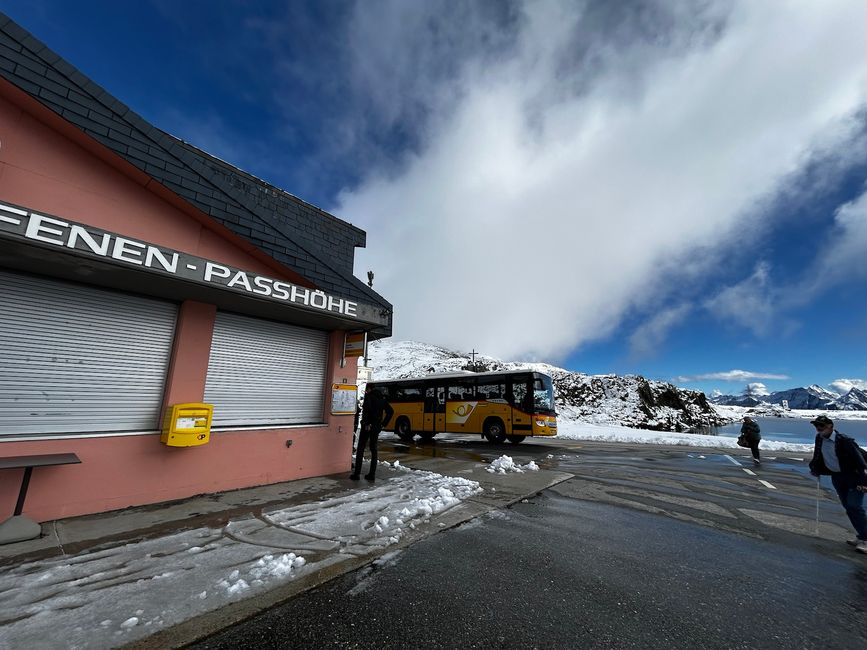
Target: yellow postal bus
(497, 405)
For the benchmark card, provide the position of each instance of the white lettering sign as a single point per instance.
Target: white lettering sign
(36, 227)
(94, 242)
(125, 250)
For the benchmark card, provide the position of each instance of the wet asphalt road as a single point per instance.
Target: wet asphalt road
(645, 548)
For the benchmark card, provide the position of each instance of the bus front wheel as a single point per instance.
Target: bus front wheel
(494, 430)
(403, 430)
(515, 440)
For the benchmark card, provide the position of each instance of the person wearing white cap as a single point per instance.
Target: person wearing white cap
(840, 457)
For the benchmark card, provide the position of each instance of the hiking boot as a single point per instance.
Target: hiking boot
(756, 461)
(354, 477)
(861, 546)
(371, 477)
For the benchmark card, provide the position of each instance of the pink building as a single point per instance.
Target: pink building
(138, 272)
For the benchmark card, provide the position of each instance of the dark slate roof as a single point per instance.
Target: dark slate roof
(315, 244)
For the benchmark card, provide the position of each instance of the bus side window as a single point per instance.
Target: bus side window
(408, 394)
(519, 395)
(490, 391)
(462, 389)
(430, 400)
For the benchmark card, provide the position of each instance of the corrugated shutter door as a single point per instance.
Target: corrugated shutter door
(76, 359)
(265, 373)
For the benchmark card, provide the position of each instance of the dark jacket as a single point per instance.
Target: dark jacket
(376, 411)
(750, 431)
(852, 463)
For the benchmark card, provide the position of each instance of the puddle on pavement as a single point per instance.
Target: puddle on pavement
(435, 449)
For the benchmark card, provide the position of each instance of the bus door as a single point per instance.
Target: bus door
(521, 398)
(435, 409)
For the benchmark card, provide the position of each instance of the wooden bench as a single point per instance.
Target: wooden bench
(19, 528)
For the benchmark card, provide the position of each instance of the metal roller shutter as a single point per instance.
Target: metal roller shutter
(265, 373)
(76, 359)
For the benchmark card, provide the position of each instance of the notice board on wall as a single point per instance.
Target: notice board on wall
(344, 398)
(354, 344)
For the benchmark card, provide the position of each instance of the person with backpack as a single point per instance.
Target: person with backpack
(840, 457)
(375, 414)
(751, 433)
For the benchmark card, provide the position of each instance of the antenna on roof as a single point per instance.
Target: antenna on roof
(370, 279)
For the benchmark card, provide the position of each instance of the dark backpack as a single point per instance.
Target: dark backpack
(857, 446)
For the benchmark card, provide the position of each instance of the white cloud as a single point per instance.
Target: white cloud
(732, 375)
(844, 250)
(756, 389)
(555, 192)
(647, 338)
(843, 386)
(748, 303)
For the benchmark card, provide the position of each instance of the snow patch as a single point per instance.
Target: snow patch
(505, 464)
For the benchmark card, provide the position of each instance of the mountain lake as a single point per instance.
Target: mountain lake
(794, 429)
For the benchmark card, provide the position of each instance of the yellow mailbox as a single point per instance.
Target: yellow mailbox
(187, 425)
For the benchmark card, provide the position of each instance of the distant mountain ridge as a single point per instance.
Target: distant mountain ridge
(811, 398)
(630, 400)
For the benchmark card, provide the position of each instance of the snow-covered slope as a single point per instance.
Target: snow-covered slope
(599, 399)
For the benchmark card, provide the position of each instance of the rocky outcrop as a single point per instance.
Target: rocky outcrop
(632, 401)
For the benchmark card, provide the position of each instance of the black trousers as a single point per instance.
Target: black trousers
(366, 438)
(754, 447)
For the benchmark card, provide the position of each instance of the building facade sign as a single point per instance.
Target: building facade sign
(23, 224)
(354, 345)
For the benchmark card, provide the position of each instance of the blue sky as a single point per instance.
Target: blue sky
(673, 189)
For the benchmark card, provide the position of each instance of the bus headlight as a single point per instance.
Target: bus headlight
(540, 423)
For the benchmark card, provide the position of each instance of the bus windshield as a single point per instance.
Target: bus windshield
(543, 395)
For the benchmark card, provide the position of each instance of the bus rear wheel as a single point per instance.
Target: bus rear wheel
(515, 440)
(494, 431)
(403, 430)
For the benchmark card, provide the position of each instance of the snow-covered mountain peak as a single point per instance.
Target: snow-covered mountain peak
(814, 397)
(854, 400)
(824, 393)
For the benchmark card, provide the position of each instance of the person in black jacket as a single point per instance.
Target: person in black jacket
(375, 414)
(752, 434)
(840, 457)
